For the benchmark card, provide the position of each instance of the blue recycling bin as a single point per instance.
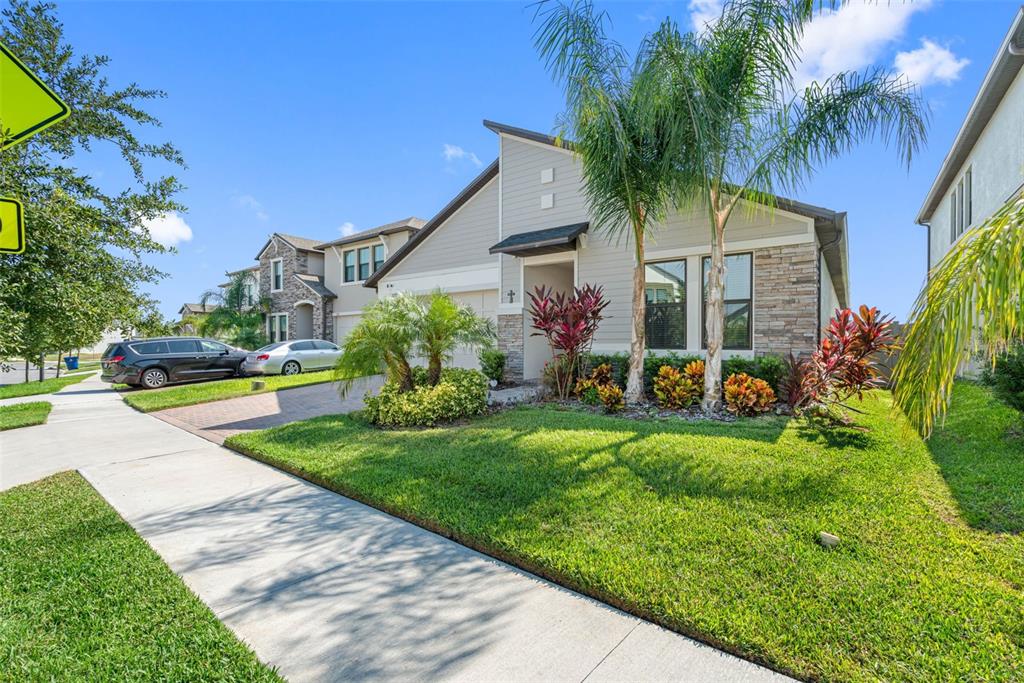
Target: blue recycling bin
(71, 362)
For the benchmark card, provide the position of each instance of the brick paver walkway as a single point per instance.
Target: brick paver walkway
(218, 420)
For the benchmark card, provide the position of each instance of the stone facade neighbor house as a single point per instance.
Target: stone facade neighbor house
(350, 260)
(523, 222)
(984, 167)
(291, 274)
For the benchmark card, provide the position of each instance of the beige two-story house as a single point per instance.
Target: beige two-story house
(523, 222)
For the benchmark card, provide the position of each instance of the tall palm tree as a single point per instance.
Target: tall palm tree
(745, 132)
(442, 325)
(237, 315)
(973, 302)
(615, 119)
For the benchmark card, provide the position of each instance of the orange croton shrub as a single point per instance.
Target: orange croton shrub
(746, 395)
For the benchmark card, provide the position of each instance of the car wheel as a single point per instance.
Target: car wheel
(291, 368)
(154, 378)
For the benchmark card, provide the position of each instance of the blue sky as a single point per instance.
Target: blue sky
(314, 118)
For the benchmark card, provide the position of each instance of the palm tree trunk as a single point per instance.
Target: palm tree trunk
(434, 370)
(715, 317)
(635, 380)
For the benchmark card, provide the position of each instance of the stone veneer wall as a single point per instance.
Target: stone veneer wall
(294, 261)
(786, 299)
(510, 342)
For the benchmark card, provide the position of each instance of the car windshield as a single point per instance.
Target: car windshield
(271, 347)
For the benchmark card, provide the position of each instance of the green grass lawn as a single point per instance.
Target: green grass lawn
(711, 528)
(83, 598)
(47, 386)
(203, 392)
(24, 414)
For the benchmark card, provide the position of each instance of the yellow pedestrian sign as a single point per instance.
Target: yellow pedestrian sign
(12, 226)
(27, 106)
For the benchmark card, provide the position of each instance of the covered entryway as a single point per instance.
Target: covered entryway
(304, 320)
(559, 276)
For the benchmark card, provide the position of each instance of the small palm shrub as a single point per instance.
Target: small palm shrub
(611, 398)
(459, 393)
(746, 395)
(492, 364)
(676, 390)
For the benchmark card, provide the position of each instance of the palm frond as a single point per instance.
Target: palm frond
(973, 303)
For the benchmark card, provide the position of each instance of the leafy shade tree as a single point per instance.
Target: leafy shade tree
(972, 303)
(745, 132)
(615, 119)
(238, 316)
(442, 325)
(83, 268)
(383, 340)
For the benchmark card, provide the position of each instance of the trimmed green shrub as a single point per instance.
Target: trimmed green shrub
(460, 393)
(492, 364)
(1007, 377)
(619, 363)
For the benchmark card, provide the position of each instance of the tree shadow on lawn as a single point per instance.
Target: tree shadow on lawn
(980, 453)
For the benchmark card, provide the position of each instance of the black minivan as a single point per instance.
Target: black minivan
(153, 363)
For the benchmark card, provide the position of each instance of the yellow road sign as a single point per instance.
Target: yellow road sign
(12, 226)
(27, 106)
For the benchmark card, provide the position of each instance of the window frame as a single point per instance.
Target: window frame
(725, 302)
(359, 263)
(273, 274)
(375, 265)
(345, 277)
(685, 303)
(271, 329)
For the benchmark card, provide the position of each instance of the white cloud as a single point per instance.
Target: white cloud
(168, 229)
(247, 201)
(930, 63)
(851, 38)
(453, 153)
(704, 12)
(347, 228)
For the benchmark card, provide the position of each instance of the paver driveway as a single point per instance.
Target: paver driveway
(218, 420)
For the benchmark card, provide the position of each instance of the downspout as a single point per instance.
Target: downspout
(821, 254)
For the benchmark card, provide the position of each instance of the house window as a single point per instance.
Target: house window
(961, 207)
(378, 257)
(739, 286)
(665, 313)
(364, 263)
(277, 327)
(350, 265)
(276, 275)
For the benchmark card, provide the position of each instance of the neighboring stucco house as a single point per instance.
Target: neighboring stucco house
(985, 165)
(524, 222)
(251, 284)
(350, 260)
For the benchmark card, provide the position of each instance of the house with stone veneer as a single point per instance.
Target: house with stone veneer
(314, 287)
(524, 222)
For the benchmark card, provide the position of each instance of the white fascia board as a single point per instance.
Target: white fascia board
(467, 279)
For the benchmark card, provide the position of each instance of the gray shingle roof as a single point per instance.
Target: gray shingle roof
(303, 243)
(193, 309)
(315, 283)
(411, 223)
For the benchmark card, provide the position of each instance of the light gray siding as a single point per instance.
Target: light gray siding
(462, 240)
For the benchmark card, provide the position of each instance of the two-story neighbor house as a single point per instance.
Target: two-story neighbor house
(251, 283)
(524, 222)
(315, 287)
(985, 166)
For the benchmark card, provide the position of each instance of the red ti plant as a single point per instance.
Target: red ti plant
(568, 323)
(844, 364)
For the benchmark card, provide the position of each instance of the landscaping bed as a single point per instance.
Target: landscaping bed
(24, 414)
(711, 528)
(148, 401)
(47, 386)
(84, 598)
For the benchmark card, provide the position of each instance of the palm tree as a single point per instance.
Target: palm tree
(615, 120)
(383, 340)
(745, 132)
(237, 314)
(442, 325)
(973, 301)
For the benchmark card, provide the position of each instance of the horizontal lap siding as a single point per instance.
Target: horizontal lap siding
(462, 240)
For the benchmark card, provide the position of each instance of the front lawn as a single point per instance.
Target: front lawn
(47, 386)
(83, 598)
(24, 414)
(710, 529)
(189, 394)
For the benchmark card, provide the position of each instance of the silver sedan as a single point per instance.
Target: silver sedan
(291, 357)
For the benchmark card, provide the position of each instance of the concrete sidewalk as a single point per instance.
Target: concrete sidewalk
(325, 588)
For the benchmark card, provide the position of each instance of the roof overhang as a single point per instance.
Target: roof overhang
(539, 242)
(1005, 67)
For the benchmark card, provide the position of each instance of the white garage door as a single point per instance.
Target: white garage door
(343, 324)
(485, 303)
